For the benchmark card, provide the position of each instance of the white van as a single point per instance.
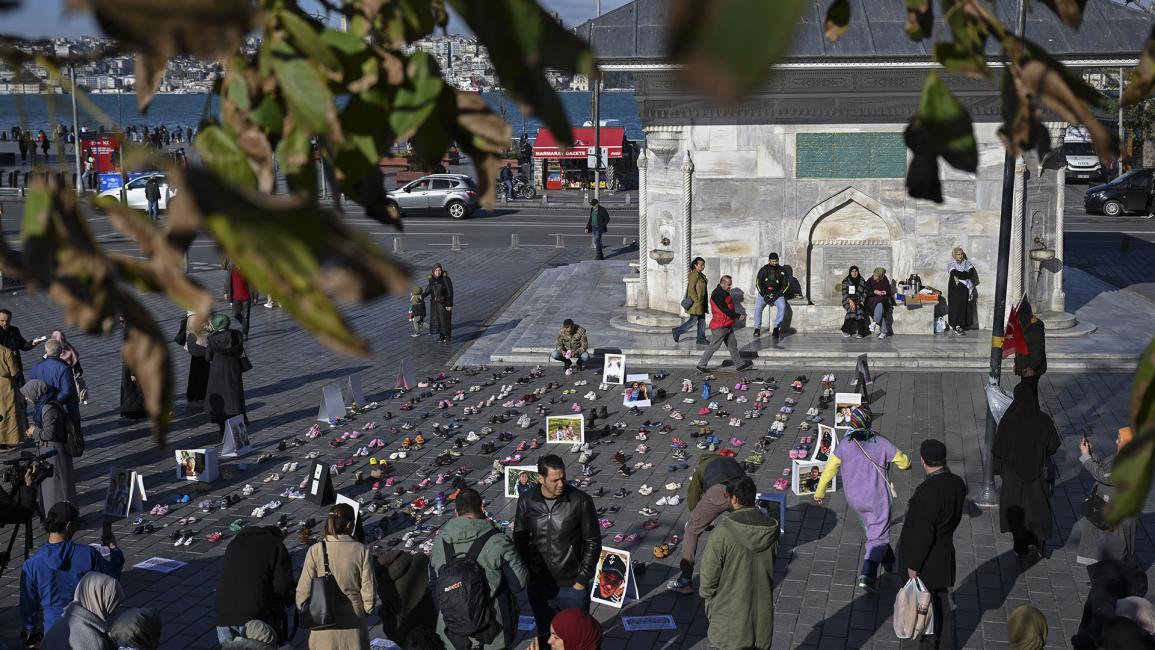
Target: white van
(1082, 161)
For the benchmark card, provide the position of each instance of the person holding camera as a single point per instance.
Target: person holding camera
(48, 579)
(50, 428)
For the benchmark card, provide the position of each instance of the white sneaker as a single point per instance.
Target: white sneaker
(472, 437)
(673, 500)
(663, 501)
(646, 490)
(882, 335)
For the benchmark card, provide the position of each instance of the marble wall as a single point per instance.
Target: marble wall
(747, 203)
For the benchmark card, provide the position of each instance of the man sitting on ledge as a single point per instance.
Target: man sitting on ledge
(571, 345)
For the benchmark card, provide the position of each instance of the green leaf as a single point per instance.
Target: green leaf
(303, 35)
(1134, 463)
(837, 19)
(237, 90)
(524, 42)
(295, 151)
(1143, 84)
(224, 156)
(961, 60)
(729, 46)
(949, 124)
(919, 19)
(415, 100)
(269, 114)
(1142, 408)
(306, 94)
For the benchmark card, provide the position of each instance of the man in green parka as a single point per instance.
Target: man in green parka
(737, 580)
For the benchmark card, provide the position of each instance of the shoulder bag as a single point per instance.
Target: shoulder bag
(320, 612)
(1094, 509)
(889, 484)
(246, 365)
(687, 302)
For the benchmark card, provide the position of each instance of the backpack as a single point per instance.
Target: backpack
(73, 438)
(462, 594)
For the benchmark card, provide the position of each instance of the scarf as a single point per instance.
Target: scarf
(138, 629)
(219, 323)
(98, 593)
(964, 266)
(577, 629)
(39, 393)
(1139, 610)
(68, 353)
(1027, 629)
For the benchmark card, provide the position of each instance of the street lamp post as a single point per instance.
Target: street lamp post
(988, 496)
(597, 96)
(76, 130)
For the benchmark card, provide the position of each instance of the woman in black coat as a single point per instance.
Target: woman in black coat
(1025, 441)
(198, 367)
(225, 352)
(440, 292)
(854, 297)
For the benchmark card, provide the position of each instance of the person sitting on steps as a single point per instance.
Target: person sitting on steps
(773, 283)
(571, 345)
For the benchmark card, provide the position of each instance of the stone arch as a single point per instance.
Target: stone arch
(849, 227)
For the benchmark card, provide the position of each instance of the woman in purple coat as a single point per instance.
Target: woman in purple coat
(865, 457)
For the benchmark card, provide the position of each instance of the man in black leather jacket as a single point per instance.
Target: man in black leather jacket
(556, 531)
(773, 283)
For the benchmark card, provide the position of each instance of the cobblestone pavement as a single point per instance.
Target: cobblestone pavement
(816, 603)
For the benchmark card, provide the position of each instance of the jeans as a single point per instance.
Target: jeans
(582, 358)
(241, 311)
(723, 335)
(546, 600)
(598, 242)
(760, 304)
(880, 318)
(685, 327)
(230, 632)
(508, 189)
(154, 209)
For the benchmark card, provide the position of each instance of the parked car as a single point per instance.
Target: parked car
(134, 190)
(1130, 193)
(455, 194)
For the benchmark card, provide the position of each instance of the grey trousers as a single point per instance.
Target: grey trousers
(723, 335)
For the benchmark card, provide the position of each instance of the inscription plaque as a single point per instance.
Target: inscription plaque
(849, 155)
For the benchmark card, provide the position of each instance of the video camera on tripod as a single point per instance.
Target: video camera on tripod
(18, 504)
(16, 468)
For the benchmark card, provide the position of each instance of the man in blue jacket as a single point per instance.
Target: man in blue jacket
(58, 375)
(48, 579)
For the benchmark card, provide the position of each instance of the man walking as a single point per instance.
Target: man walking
(708, 501)
(471, 534)
(773, 283)
(926, 546)
(599, 219)
(738, 573)
(722, 317)
(557, 534)
(238, 292)
(572, 345)
(152, 195)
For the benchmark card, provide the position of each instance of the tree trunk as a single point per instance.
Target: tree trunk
(1148, 152)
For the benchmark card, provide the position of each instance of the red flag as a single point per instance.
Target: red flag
(1013, 341)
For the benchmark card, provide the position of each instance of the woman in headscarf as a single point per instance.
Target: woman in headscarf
(11, 406)
(1025, 441)
(1033, 364)
(131, 396)
(137, 629)
(697, 289)
(880, 297)
(961, 291)
(1100, 469)
(1027, 629)
(50, 429)
(69, 355)
(574, 629)
(865, 458)
(854, 302)
(85, 621)
(198, 367)
(225, 353)
(1140, 610)
(440, 292)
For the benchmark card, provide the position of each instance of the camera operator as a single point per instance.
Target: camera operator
(50, 429)
(48, 579)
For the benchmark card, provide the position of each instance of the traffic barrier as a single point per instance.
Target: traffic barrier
(514, 242)
(560, 240)
(456, 246)
(398, 247)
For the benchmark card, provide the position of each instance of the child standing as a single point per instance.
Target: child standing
(417, 311)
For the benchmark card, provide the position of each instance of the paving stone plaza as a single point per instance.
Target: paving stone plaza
(816, 602)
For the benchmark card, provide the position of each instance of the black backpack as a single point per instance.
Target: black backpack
(73, 438)
(462, 595)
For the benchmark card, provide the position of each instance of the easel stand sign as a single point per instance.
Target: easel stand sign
(319, 491)
(332, 404)
(356, 392)
(613, 577)
(861, 368)
(237, 441)
(125, 494)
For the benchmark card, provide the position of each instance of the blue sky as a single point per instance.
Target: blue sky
(47, 18)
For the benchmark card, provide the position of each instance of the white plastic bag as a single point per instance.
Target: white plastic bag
(940, 325)
(999, 401)
(913, 615)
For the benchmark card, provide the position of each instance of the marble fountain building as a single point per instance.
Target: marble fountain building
(812, 165)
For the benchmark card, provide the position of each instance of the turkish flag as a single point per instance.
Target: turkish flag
(1013, 341)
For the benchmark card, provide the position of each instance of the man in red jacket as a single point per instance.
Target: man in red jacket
(238, 292)
(722, 317)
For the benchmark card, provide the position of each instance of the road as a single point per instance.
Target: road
(1078, 221)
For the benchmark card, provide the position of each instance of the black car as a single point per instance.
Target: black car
(1131, 192)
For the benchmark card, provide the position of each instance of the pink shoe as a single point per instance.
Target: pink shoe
(705, 410)
(781, 484)
(576, 408)
(354, 435)
(313, 432)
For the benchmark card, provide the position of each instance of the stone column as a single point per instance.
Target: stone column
(1015, 286)
(684, 248)
(643, 231)
(1058, 132)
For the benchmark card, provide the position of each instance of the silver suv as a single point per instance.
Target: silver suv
(453, 193)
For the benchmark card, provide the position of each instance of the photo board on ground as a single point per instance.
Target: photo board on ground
(614, 369)
(319, 490)
(124, 494)
(825, 442)
(806, 474)
(638, 392)
(356, 392)
(197, 464)
(613, 575)
(332, 404)
(565, 429)
(236, 441)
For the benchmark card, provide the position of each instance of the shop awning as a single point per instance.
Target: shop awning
(546, 146)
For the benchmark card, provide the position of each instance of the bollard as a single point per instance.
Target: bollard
(544, 200)
(514, 242)
(397, 246)
(456, 243)
(560, 241)
(627, 199)
(626, 242)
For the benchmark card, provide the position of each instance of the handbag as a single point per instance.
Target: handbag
(246, 365)
(687, 302)
(320, 611)
(1094, 509)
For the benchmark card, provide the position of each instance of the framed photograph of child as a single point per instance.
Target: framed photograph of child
(520, 479)
(638, 391)
(565, 429)
(197, 464)
(116, 496)
(843, 403)
(824, 443)
(806, 474)
(614, 369)
(611, 578)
